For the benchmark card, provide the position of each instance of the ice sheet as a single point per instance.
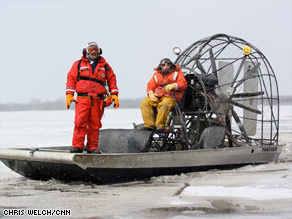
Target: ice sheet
(263, 191)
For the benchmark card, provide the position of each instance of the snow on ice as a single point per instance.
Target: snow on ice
(263, 191)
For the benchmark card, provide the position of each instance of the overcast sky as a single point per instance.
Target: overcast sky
(40, 40)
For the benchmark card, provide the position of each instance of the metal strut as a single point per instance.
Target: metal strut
(181, 118)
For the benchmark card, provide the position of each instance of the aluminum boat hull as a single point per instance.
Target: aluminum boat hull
(58, 163)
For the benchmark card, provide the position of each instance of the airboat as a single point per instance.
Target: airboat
(228, 117)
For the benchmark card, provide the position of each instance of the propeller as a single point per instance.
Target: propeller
(230, 86)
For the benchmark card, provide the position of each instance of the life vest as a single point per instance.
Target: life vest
(83, 80)
(103, 83)
(158, 82)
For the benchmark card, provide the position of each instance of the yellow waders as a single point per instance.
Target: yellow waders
(164, 105)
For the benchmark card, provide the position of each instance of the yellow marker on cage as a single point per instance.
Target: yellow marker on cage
(246, 50)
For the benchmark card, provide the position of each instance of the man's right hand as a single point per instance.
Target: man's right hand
(170, 87)
(153, 96)
(69, 99)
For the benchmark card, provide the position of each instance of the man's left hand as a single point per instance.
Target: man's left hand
(115, 98)
(69, 99)
(170, 87)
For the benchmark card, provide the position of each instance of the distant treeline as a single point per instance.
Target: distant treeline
(59, 104)
(286, 100)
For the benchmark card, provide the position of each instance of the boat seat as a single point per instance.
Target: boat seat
(124, 140)
(212, 137)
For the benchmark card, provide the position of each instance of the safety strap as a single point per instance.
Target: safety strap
(87, 95)
(88, 78)
(91, 79)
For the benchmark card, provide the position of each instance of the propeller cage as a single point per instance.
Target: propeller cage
(229, 88)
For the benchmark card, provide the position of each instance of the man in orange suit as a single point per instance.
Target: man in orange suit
(168, 77)
(91, 78)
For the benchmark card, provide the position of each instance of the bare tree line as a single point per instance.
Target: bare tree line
(59, 104)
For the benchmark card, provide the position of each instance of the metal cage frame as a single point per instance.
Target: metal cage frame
(200, 60)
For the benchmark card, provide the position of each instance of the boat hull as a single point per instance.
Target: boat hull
(48, 163)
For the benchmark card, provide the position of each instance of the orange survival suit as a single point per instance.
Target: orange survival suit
(165, 101)
(90, 88)
(159, 80)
